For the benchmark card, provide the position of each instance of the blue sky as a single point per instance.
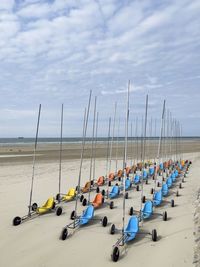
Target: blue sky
(54, 52)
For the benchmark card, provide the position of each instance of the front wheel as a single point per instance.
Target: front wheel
(172, 203)
(164, 216)
(154, 235)
(73, 215)
(34, 206)
(115, 254)
(59, 211)
(111, 205)
(84, 202)
(112, 229)
(64, 234)
(17, 220)
(131, 211)
(104, 221)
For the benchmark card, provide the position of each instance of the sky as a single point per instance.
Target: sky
(56, 51)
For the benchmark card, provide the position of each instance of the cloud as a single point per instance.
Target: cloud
(55, 51)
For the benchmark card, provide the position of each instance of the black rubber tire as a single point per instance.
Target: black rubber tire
(152, 191)
(104, 221)
(115, 254)
(164, 216)
(172, 203)
(103, 192)
(76, 188)
(143, 199)
(111, 205)
(34, 207)
(131, 211)
(58, 197)
(126, 195)
(112, 229)
(177, 193)
(92, 182)
(103, 200)
(97, 190)
(163, 179)
(59, 211)
(119, 179)
(138, 188)
(64, 234)
(17, 221)
(154, 235)
(116, 184)
(185, 175)
(81, 198)
(158, 184)
(180, 185)
(183, 181)
(84, 202)
(146, 182)
(109, 183)
(73, 215)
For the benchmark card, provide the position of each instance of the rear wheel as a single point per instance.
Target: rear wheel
(109, 183)
(152, 190)
(84, 202)
(131, 211)
(126, 195)
(103, 192)
(177, 193)
(154, 235)
(58, 198)
(111, 205)
(112, 229)
(17, 220)
(180, 185)
(59, 211)
(172, 203)
(164, 216)
(115, 254)
(138, 187)
(34, 206)
(104, 221)
(143, 199)
(158, 184)
(64, 234)
(183, 180)
(146, 181)
(119, 179)
(97, 190)
(73, 215)
(81, 198)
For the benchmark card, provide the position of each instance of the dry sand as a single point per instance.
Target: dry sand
(36, 242)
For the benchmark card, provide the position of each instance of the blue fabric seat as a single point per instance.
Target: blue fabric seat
(132, 228)
(165, 190)
(136, 179)
(161, 166)
(87, 215)
(114, 192)
(169, 182)
(176, 173)
(173, 176)
(145, 176)
(127, 183)
(147, 209)
(157, 198)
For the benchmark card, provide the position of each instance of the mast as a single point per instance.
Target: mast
(113, 132)
(34, 157)
(108, 145)
(92, 149)
(125, 157)
(95, 146)
(60, 162)
(117, 147)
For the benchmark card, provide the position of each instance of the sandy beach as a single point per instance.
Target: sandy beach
(36, 242)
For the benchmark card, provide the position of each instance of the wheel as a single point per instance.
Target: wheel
(158, 184)
(103, 200)
(172, 203)
(34, 206)
(73, 215)
(119, 179)
(185, 175)
(111, 205)
(115, 254)
(104, 221)
(92, 182)
(17, 220)
(64, 234)
(112, 229)
(103, 192)
(154, 235)
(138, 187)
(177, 193)
(84, 202)
(81, 198)
(146, 181)
(53, 206)
(59, 211)
(143, 199)
(180, 185)
(152, 191)
(76, 188)
(163, 179)
(183, 180)
(58, 198)
(164, 216)
(97, 190)
(126, 195)
(109, 183)
(131, 211)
